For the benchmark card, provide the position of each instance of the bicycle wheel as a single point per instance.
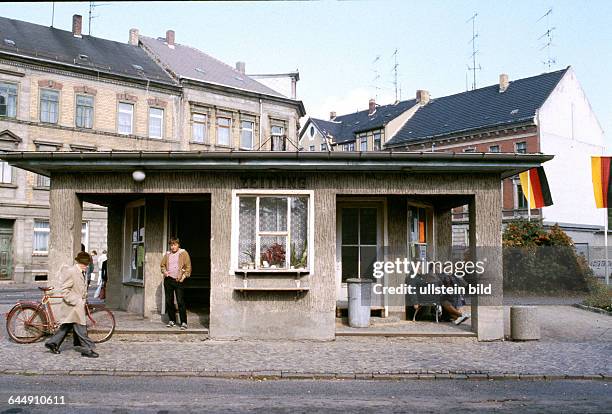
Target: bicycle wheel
(26, 324)
(100, 323)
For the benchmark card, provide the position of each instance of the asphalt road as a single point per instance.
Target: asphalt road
(107, 394)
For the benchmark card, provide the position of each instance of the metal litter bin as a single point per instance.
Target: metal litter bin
(359, 300)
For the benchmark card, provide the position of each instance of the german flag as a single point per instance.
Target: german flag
(600, 169)
(539, 193)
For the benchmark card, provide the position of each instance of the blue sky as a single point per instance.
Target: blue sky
(334, 44)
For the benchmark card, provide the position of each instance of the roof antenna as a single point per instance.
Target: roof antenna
(548, 35)
(376, 79)
(52, 14)
(395, 66)
(92, 6)
(475, 35)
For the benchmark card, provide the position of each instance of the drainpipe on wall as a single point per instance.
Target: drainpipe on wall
(260, 121)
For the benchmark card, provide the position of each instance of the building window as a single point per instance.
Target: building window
(85, 235)
(125, 119)
(349, 146)
(49, 106)
(521, 147)
(246, 134)
(43, 181)
(134, 237)
(323, 146)
(6, 173)
(312, 132)
(8, 100)
(311, 148)
(278, 138)
(521, 201)
(273, 232)
(494, 148)
(156, 122)
(363, 144)
(41, 237)
(199, 130)
(377, 141)
(84, 111)
(469, 150)
(223, 131)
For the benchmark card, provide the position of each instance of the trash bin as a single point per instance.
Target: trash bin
(359, 299)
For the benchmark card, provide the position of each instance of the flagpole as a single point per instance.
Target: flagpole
(606, 245)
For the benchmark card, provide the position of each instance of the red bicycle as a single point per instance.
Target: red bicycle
(27, 322)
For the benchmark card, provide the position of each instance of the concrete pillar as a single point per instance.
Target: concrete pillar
(66, 216)
(485, 245)
(397, 223)
(154, 250)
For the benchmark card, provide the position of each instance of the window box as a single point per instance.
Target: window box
(272, 232)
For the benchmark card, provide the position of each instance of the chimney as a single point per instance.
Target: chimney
(332, 115)
(241, 67)
(133, 40)
(503, 82)
(422, 96)
(170, 37)
(77, 25)
(371, 106)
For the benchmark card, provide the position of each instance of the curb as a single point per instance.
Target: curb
(592, 309)
(293, 375)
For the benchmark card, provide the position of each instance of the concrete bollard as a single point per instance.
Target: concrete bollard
(359, 299)
(524, 323)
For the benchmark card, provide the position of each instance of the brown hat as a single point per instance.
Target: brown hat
(83, 258)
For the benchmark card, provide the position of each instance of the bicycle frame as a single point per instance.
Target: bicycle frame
(43, 306)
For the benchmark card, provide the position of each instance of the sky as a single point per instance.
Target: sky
(344, 49)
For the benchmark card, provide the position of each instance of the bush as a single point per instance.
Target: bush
(600, 295)
(542, 261)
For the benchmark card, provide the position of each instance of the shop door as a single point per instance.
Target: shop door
(360, 242)
(6, 254)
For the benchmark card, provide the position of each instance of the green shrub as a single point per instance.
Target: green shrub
(542, 261)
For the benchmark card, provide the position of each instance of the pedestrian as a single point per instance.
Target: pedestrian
(90, 267)
(94, 264)
(176, 267)
(71, 314)
(101, 290)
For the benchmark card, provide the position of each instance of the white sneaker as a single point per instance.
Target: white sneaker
(461, 319)
(170, 324)
(183, 326)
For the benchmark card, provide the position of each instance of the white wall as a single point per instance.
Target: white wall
(570, 131)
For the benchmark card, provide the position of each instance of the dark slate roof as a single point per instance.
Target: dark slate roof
(344, 127)
(327, 127)
(481, 108)
(60, 46)
(192, 63)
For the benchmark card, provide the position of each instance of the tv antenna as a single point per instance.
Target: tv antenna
(395, 66)
(92, 7)
(548, 37)
(376, 79)
(475, 36)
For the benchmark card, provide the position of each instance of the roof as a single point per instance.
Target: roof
(191, 63)
(480, 108)
(344, 127)
(246, 162)
(60, 46)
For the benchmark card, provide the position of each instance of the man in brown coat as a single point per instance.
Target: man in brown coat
(72, 315)
(176, 267)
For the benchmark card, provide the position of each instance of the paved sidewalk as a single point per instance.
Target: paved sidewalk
(575, 344)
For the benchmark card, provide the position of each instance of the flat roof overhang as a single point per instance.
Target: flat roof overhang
(60, 162)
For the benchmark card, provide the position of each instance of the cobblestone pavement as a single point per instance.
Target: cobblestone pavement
(561, 352)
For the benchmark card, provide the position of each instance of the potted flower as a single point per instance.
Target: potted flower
(274, 256)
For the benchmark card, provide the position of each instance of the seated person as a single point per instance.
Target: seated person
(452, 302)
